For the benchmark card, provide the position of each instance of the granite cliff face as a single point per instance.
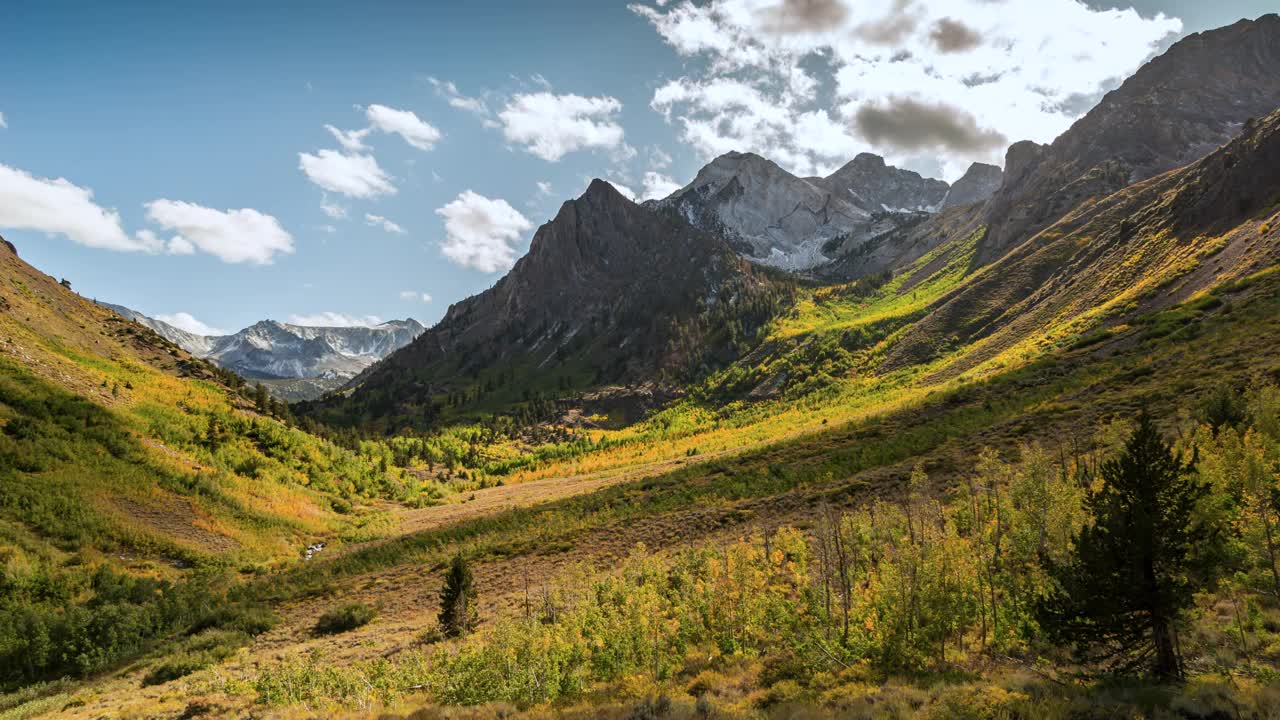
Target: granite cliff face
(774, 218)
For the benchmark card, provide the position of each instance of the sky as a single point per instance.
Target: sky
(213, 164)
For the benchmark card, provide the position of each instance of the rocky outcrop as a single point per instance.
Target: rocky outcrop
(872, 185)
(978, 183)
(774, 218)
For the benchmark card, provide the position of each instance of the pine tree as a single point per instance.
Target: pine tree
(1138, 563)
(458, 599)
(261, 399)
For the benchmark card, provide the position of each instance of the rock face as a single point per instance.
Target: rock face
(610, 291)
(875, 187)
(271, 349)
(978, 183)
(1175, 109)
(274, 350)
(774, 218)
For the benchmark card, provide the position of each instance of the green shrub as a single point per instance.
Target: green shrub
(347, 617)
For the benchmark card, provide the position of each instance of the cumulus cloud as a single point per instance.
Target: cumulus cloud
(357, 176)
(481, 232)
(415, 296)
(384, 223)
(333, 210)
(3, 124)
(185, 321)
(59, 207)
(658, 186)
(351, 140)
(788, 78)
(334, 319)
(953, 36)
(801, 16)
(232, 236)
(551, 126)
(544, 188)
(910, 124)
(178, 245)
(405, 123)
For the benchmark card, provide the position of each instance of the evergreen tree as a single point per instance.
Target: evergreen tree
(261, 399)
(458, 599)
(1139, 562)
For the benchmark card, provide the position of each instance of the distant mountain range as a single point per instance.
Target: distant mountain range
(280, 354)
(775, 218)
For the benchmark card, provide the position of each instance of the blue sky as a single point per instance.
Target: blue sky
(187, 122)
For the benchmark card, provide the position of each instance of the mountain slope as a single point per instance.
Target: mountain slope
(1149, 245)
(118, 446)
(1173, 110)
(610, 292)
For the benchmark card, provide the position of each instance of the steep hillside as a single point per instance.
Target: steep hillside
(610, 292)
(1173, 110)
(118, 446)
(1147, 246)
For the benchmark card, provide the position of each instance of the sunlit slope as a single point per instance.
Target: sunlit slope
(115, 442)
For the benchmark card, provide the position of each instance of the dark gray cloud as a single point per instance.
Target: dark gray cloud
(953, 36)
(891, 29)
(910, 124)
(799, 16)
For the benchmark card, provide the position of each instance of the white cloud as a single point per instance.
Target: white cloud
(233, 236)
(788, 78)
(57, 206)
(357, 176)
(329, 229)
(177, 245)
(415, 296)
(385, 224)
(3, 124)
(334, 319)
(544, 188)
(551, 126)
(185, 321)
(658, 186)
(351, 140)
(404, 123)
(481, 232)
(333, 210)
(476, 106)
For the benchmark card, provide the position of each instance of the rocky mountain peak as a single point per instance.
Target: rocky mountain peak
(978, 183)
(1175, 109)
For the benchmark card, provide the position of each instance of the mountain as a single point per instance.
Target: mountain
(271, 349)
(978, 183)
(1173, 110)
(278, 353)
(775, 218)
(609, 292)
